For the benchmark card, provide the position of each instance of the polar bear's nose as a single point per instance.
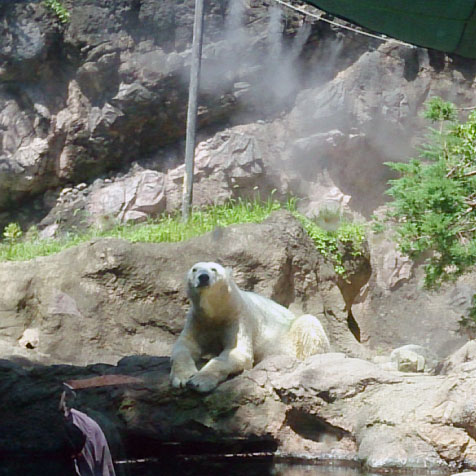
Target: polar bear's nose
(203, 279)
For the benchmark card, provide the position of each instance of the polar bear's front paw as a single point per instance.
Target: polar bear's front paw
(203, 382)
(180, 379)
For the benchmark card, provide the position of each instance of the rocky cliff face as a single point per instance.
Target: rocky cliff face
(81, 99)
(110, 86)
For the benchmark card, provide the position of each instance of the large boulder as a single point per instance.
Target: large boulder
(109, 298)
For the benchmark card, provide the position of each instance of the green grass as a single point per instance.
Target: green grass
(172, 229)
(165, 229)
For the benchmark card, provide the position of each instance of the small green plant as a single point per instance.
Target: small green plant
(333, 244)
(377, 225)
(12, 233)
(438, 110)
(58, 9)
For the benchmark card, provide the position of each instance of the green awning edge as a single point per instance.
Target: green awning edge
(437, 24)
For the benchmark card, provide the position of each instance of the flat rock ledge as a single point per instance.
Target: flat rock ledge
(328, 408)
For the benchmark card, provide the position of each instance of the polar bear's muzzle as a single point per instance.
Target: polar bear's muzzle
(205, 276)
(203, 279)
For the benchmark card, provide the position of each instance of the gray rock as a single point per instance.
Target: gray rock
(395, 308)
(413, 358)
(462, 360)
(133, 198)
(408, 361)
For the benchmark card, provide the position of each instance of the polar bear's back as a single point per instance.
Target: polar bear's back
(270, 312)
(271, 323)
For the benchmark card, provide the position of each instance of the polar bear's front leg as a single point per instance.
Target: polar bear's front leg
(229, 362)
(184, 356)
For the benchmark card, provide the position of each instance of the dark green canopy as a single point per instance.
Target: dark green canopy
(445, 25)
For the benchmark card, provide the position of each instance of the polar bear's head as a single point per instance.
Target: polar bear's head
(206, 275)
(207, 279)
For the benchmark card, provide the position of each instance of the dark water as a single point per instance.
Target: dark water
(232, 466)
(267, 466)
(202, 466)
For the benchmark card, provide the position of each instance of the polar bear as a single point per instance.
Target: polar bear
(238, 328)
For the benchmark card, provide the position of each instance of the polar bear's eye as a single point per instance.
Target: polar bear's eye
(194, 270)
(214, 270)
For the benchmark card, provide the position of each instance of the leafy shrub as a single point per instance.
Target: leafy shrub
(434, 200)
(438, 110)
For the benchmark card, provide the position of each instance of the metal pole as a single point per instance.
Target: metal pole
(192, 110)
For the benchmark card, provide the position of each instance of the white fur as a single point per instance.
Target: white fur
(238, 328)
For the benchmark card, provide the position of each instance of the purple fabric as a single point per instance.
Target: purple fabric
(95, 458)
